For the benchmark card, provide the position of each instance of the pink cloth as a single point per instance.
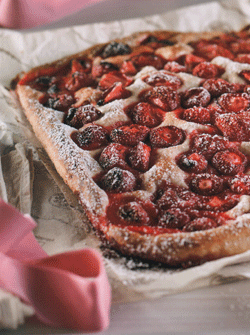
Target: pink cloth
(22, 14)
(69, 290)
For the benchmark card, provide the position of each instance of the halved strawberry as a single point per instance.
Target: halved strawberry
(109, 79)
(128, 68)
(147, 115)
(139, 157)
(117, 91)
(129, 135)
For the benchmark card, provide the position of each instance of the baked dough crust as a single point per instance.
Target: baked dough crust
(77, 168)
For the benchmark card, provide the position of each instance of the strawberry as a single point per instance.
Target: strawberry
(240, 184)
(229, 162)
(163, 97)
(206, 184)
(175, 67)
(117, 91)
(128, 68)
(191, 61)
(243, 58)
(162, 78)
(234, 102)
(114, 155)
(78, 80)
(217, 87)
(147, 115)
(129, 135)
(197, 115)
(193, 162)
(196, 97)
(246, 75)
(110, 78)
(139, 156)
(202, 223)
(210, 51)
(207, 70)
(166, 136)
(144, 59)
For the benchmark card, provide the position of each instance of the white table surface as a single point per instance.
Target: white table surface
(223, 309)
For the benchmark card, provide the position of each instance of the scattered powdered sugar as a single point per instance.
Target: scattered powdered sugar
(189, 81)
(232, 69)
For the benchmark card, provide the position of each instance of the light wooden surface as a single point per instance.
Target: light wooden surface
(223, 309)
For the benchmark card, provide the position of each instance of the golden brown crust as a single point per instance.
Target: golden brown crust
(77, 168)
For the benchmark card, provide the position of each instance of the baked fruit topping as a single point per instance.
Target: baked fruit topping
(152, 133)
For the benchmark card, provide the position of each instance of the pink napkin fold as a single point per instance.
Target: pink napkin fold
(22, 14)
(68, 290)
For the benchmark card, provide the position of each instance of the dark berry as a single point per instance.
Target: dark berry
(173, 218)
(118, 180)
(133, 214)
(92, 137)
(77, 117)
(115, 48)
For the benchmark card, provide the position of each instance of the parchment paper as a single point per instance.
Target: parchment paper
(61, 223)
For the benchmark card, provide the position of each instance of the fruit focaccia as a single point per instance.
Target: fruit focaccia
(151, 132)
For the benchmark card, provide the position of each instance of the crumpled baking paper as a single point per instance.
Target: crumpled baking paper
(61, 223)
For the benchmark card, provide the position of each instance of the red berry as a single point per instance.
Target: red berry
(197, 115)
(167, 200)
(77, 117)
(113, 77)
(243, 58)
(78, 80)
(115, 92)
(207, 70)
(175, 67)
(246, 75)
(166, 136)
(163, 78)
(80, 65)
(100, 68)
(234, 126)
(217, 87)
(114, 155)
(206, 184)
(191, 61)
(118, 180)
(208, 145)
(196, 97)
(163, 97)
(241, 184)
(241, 46)
(229, 162)
(194, 162)
(91, 137)
(173, 218)
(144, 59)
(139, 157)
(128, 68)
(133, 213)
(203, 223)
(147, 115)
(210, 51)
(61, 102)
(234, 102)
(129, 135)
